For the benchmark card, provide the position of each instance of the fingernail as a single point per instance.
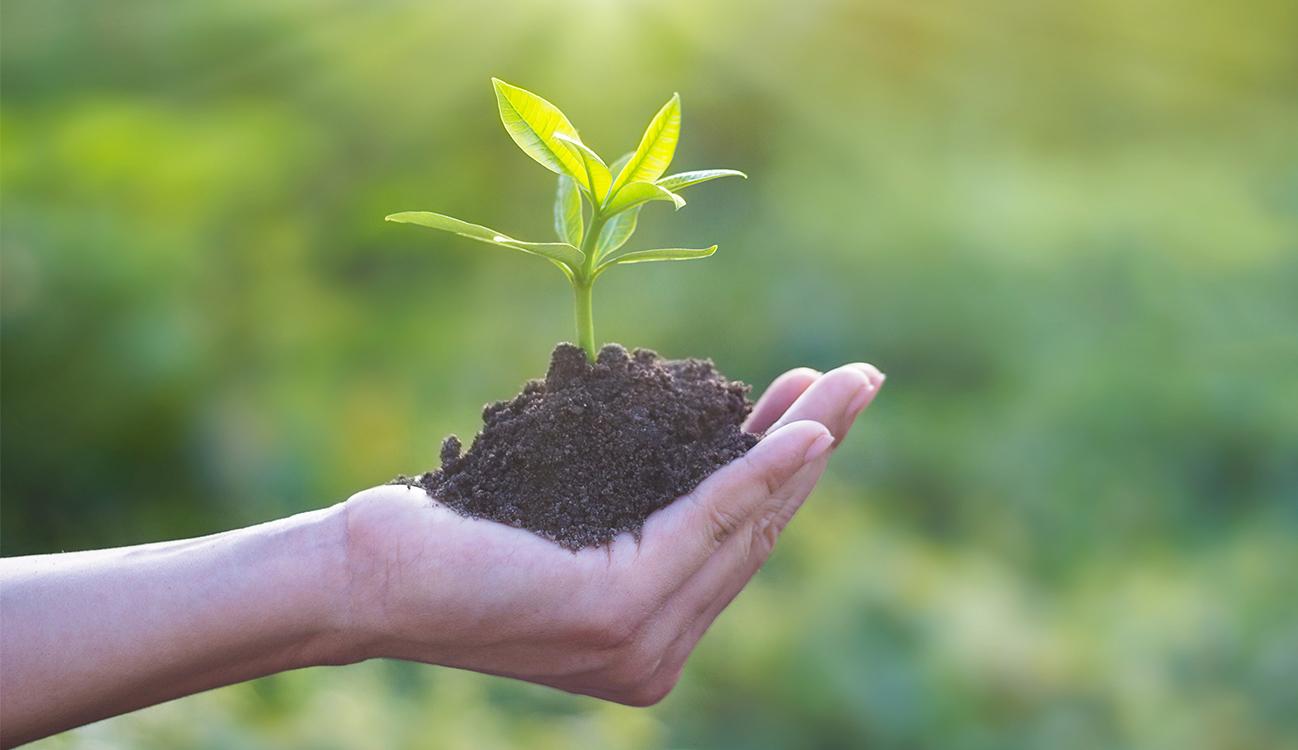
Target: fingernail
(818, 448)
(861, 399)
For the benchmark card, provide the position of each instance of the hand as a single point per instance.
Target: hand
(614, 622)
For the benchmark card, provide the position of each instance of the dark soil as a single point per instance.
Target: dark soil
(592, 450)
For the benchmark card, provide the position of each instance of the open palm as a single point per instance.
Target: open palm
(616, 622)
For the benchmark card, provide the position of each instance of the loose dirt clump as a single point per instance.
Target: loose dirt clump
(590, 451)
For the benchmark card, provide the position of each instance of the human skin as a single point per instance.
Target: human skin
(389, 574)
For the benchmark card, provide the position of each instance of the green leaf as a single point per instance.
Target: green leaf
(657, 147)
(567, 212)
(533, 122)
(560, 252)
(616, 232)
(680, 180)
(641, 192)
(649, 256)
(596, 175)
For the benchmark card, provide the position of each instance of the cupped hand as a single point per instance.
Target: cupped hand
(615, 622)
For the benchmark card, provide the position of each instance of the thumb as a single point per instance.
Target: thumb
(742, 488)
(690, 530)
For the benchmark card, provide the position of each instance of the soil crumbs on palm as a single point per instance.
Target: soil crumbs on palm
(592, 450)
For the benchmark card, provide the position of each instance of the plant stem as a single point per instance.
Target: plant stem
(582, 284)
(585, 321)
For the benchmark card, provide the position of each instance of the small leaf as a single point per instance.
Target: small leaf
(680, 180)
(533, 122)
(556, 251)
(616, 232)
(649, 256)
(641, 192)
(656, 149)
(567, 212)
(596, 175)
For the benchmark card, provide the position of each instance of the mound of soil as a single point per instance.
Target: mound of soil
(592, 450)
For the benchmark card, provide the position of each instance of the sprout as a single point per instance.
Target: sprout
(595, 213)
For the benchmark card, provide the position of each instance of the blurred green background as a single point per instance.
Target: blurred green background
(1068, 233)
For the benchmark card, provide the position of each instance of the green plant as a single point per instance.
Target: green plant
(595, 213)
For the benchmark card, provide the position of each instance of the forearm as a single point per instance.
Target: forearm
(88, 635)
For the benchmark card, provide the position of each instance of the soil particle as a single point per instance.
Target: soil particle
(590, 451)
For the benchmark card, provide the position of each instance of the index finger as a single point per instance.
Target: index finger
(779, 396)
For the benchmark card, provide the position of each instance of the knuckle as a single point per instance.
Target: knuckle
(764, 536)
(770, 479)
(723, 522)
(767, 530)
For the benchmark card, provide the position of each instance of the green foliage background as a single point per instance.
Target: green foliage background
(1068, 233)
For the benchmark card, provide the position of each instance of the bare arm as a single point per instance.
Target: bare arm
(87, 635)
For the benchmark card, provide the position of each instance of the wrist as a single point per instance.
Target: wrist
(398, 603)
(362, 576)
(356, 607)
(312, 548)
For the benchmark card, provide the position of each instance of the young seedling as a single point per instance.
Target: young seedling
(595, 213)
